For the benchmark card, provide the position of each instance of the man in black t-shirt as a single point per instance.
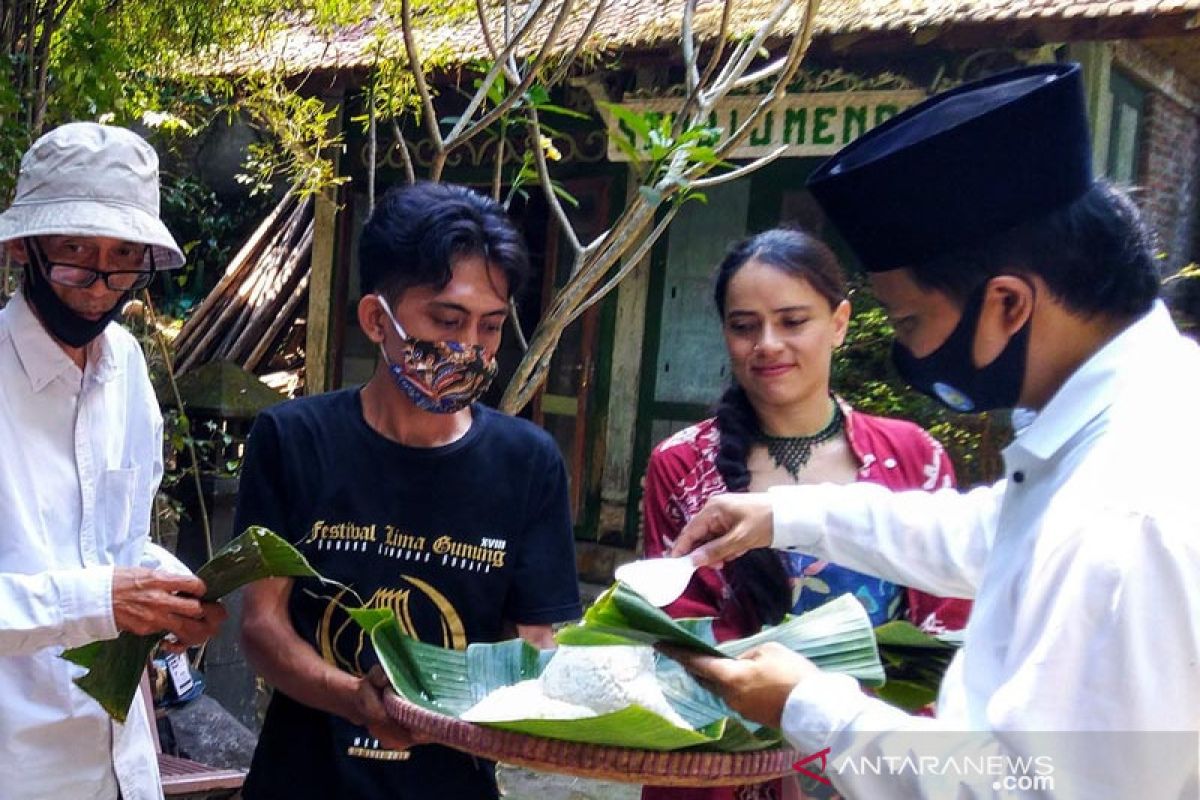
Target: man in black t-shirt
(416, 498)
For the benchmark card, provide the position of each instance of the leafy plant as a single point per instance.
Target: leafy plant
(218, 452)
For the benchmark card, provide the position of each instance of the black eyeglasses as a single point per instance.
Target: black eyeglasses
(77, 277)
(126, 280)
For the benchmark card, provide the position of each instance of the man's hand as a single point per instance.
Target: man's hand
(148, 601)
(731, 524)
(371, 713)
(756, 685)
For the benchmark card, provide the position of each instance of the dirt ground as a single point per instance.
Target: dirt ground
(522, 784)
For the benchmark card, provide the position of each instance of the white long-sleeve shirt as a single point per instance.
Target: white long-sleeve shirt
(80, 460)
(1083, 647)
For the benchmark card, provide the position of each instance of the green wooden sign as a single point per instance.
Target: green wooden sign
(810, 124)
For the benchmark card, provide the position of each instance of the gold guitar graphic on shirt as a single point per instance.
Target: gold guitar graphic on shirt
(342, 641)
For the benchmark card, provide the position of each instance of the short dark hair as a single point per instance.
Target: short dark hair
(1094, 254)
(792, 251)
(417, 232)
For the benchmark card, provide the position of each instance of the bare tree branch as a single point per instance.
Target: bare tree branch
(498, 66)
(539, 160)
(714, 61)
(741, 172)
(580, 43)
(498, 168)
(630, 262)
(796, 53)
(746, 55)
(410, 174)
(601, 264)
(769, 71)
(515, 318)
(372, 134)
(580, 284)
(418, 73)
(531, 74)
(691, 74)
(485, 31)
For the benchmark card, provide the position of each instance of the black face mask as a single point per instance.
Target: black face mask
(950, 376)
(59, 318)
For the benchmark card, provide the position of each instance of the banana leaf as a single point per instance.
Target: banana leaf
(837, 636)
(450, 682)
(622, 616)
(115, 665)
(914, 662)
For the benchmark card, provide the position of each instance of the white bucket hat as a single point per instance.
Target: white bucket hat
(85, 179)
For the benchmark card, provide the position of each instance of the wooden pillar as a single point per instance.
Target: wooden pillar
(628, 344)
(322, 295)
(1096, 60)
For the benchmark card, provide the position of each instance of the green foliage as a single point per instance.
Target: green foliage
(303, 137)
(217, 450)
(109, 60)
(651, 144)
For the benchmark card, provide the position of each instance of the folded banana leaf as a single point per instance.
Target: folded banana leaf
(837, 636)
(451, 681)
(115, 665)
(914, 662)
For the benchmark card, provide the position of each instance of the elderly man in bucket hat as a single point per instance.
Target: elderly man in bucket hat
(1012, 278)
(79, 466)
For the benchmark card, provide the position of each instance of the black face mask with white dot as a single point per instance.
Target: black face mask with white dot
(949, 374)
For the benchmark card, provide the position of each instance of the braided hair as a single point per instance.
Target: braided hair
(758, 578)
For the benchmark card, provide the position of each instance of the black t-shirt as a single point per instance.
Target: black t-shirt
(457, 540)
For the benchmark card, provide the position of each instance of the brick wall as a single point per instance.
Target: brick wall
(1169, 173)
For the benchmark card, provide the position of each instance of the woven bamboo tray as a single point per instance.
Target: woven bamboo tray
(652, 767)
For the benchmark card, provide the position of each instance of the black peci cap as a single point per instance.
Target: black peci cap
(960, 167)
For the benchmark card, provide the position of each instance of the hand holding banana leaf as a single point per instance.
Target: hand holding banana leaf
(115, 665)
(756, 685)
(148, 601)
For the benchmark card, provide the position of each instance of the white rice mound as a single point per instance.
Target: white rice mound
(581, 682)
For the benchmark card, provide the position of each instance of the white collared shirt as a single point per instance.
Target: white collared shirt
(1084, 564)
(80, 460)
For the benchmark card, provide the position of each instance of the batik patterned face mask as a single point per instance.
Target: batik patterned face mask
(441, 377)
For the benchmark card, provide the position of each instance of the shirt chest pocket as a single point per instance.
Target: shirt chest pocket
(115, 501)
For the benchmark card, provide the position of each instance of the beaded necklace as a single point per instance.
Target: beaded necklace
(793, 452)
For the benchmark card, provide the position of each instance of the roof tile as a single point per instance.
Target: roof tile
(641, 24)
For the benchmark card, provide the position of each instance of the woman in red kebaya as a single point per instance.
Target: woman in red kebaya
(782, 301)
